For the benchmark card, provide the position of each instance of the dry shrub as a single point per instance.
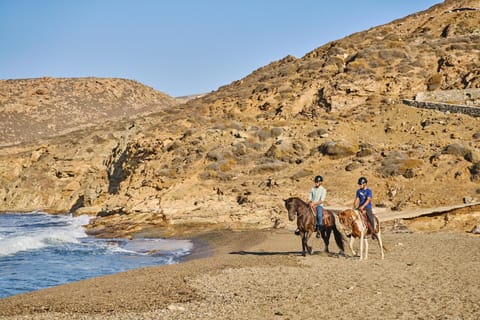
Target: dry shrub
(302, 174)
(456, 149)
(167, 172)
(277, 152)
(267, 133)
(276, 132)
(257, 146)
(239, 149)
(459, 47)
(398, 164)
(286, 70)
(418, 63)
(434, 82)
(314, 65)
(338, 149)
(217, 154)
(237, 125)
(261, 88)
(392, 54)
(285, 94)
(227, 165)
(209, 174)
(273, 166)
(365, 150)
(359, 67)
(404, 68)
(206, 175)
(475, 172)
(318, 133)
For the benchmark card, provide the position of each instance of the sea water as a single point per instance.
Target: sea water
(39, 250)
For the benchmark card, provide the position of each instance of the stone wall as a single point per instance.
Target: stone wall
(445, 107)
(465, 101)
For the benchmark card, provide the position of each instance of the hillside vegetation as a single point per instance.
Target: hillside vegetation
(228, 158)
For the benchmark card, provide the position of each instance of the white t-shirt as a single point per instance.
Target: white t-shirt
(317, 194)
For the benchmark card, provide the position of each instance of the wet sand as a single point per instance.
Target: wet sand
(261, 275)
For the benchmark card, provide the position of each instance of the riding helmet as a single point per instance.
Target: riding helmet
(318, 179)
(362, 180)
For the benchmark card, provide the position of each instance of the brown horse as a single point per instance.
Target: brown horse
(306, 221)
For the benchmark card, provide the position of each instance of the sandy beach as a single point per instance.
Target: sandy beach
(261, 275)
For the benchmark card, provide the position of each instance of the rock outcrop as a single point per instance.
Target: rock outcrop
(228, 158)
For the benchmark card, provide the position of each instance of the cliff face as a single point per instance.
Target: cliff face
(228, 158)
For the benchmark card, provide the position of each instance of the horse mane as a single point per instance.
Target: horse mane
(297, 198)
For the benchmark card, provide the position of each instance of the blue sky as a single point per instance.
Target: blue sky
(179, 47)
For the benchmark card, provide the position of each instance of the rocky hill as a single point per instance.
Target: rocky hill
(228, 158)
(33, 109)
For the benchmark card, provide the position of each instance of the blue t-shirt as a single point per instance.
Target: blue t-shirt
(363, 195)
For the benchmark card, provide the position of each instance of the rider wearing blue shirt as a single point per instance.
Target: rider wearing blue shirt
(363, 202)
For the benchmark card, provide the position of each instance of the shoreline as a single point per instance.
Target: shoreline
(261, 274)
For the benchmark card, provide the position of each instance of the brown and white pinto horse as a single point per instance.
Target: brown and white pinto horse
(355, 227)
(306, 221)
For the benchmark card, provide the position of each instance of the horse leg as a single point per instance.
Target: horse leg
(362, 237)
(380, 243)
(350, 243)
(366, 248)
(304, 243)
(309, 248)
(326, 238)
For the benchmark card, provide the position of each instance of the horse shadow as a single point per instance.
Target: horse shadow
(288, 253)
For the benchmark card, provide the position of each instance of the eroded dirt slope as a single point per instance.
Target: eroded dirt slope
(228, 159)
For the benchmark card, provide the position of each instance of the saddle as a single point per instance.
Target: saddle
(327, 219)
(365, 220)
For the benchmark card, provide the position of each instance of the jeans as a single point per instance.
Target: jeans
(319, 216)
(370, 218)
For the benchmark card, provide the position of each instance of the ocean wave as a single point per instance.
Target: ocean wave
(39, 250)
(34, 236)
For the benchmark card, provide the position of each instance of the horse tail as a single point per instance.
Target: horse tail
(339, 236)
(338, 226)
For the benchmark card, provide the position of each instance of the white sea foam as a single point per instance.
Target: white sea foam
(17, 239)
(157, 247)
(39, 250)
